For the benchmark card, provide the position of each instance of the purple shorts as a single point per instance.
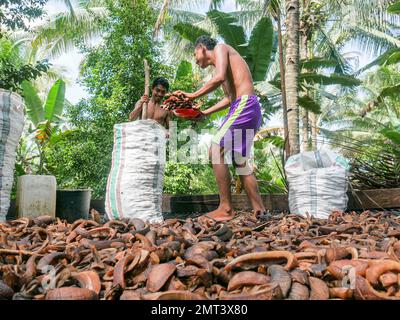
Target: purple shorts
(237, 132)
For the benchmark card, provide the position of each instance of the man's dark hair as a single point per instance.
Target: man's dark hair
(206, 41)
(160, 80)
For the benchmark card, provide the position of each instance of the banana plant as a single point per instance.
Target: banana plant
(258, 50)
(44, 116)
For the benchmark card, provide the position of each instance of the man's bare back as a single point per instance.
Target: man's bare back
(238, 81)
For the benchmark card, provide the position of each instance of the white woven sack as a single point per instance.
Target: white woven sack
(11, 126)
(318, 183)
(135, 182)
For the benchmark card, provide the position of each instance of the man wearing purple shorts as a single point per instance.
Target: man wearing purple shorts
(235, 136)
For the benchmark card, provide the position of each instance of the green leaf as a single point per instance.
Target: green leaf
(317, 63)
(229, 30)
(259, 49)
(33, 104)
(19, 169)
(333, 79)
(276, 141)
(55, 101)
(59, 136)
(216, 4)
(391, 56)
(393, 135)
(309, 104)
(316, 78)
(218, 115)
(189, 32)
(184, 70)
(390, 92)
(394, 8)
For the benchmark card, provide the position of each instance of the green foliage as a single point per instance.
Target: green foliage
(332, 79)
(13, 70)
(317, 63)
(55, 101)
(228, 28)
(259, 49)
(33, 104)
(189, 179)
(269, 169)
(45, 117)
(394, 8)
(15, 13)
(113, 74)
(82, 22)
(367, 130)
(189, 32)
(309, 104)
(392, 56)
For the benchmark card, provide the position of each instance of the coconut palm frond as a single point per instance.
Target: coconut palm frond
(161, 17)
(63, 30)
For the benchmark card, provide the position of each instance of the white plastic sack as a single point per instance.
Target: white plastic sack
(11, 126)
(135, 182)
(318, 183)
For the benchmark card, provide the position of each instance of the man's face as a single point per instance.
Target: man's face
(158, 92)
(201, 57)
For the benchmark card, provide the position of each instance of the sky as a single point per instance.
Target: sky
(71, 60)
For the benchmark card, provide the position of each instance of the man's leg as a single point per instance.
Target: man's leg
(224, 211)
(250, 185)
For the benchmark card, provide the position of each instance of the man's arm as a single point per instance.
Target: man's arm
(221, 66)
(224, 103)
(137, 111)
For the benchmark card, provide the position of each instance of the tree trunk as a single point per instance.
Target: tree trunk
(304, 130)
(313, 124)
(283, 84)
(292, 72)
(304, 112)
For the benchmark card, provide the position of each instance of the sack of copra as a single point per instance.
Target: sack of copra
(11, 126)
(135, 182)
(318, 182)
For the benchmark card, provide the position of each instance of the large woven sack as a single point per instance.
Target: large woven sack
(11, 126)
(318, 183)
(135, 182)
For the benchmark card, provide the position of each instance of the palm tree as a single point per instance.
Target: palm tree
(292, 72)
(366, 129)
(61, 32)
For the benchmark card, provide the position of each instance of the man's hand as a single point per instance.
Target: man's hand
(144, 99)
(188, 95)
(131, 115)
(200, 117)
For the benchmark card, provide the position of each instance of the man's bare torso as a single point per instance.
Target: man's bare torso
(238, 81)
(155, 112)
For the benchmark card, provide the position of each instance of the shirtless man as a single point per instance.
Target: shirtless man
(235, 136)
(159, 88)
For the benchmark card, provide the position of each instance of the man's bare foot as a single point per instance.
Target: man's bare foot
(218, 215)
